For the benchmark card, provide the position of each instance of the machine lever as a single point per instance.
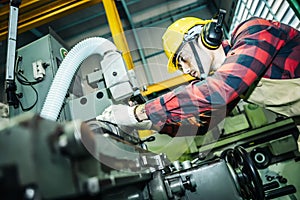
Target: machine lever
(271, 185)
(286, 190)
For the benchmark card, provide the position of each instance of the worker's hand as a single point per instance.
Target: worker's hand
(123, 115)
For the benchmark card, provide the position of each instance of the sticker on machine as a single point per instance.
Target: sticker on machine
(63, 52)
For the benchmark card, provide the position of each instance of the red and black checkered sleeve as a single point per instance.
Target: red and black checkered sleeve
(254, 45)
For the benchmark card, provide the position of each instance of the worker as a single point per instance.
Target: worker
(261, 63)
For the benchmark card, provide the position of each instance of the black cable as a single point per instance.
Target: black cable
(19, 73)
(113, 124)
(36, 98)
(24, 81)
(107, 122)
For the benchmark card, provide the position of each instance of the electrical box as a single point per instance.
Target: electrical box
(35, 71)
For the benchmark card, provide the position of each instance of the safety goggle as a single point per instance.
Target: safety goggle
(192, 34)
(190, 38)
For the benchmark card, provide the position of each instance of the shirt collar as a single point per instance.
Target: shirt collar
(226, 46)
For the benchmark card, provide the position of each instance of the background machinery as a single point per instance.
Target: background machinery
(53, 148)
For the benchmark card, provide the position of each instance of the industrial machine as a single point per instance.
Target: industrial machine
(53, 148)
(43, 159)
(58, 150)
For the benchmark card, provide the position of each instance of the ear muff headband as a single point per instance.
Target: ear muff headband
(212, 33)
(192, 34)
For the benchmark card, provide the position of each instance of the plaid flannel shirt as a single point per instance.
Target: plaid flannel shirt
(258, 48)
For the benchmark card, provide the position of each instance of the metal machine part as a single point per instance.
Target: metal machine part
(46, 58)
(29, 159)
(11, 87)
(248, 177)
(87, 159)
(57, 161)
(115, 75)
(93, 104)
(42, 159)
(211, 180)
(36, 72)
(268, 146)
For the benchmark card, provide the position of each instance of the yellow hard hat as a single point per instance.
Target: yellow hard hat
(174, 36)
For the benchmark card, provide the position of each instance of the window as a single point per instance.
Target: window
(278, 10)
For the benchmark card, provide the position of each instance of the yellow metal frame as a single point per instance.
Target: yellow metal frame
(167, 84)
(121, 43)
(117, 31)
(34, 13)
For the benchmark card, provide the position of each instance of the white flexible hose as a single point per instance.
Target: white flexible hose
(67, 70)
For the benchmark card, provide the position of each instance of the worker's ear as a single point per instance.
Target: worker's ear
(212, 33)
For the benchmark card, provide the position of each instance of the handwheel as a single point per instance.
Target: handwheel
(248, 176)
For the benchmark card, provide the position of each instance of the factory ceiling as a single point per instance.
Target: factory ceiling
(70, 18)
(74, 20)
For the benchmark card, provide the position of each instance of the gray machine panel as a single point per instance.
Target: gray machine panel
(46, 50)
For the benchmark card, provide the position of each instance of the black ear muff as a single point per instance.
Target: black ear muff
(212, 33)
